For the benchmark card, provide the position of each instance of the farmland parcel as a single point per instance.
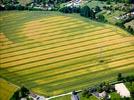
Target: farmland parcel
(53, 53)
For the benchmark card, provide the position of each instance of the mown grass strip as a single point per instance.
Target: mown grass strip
(41, 72)
(20, 47)
(33, 54)
(70, 53)
(75, 74)
(47, 68)
(32, 42)
(85, 51)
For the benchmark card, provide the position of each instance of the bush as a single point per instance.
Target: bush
(101, 18)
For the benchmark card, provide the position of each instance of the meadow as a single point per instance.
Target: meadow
(53, 53)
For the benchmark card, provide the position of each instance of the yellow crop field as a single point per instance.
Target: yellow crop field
(57, 53)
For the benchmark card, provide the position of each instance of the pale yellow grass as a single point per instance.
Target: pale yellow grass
(47, 19)
(76, 66)
(62, 53)
(29, 65)
(56, 49)
(58, 40)
(82, 71)
(6, 89)
(48, 23)
(37, 58)
(44, 30)
(124, 61)
(45, 35)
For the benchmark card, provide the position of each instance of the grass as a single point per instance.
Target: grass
(111, 17)
(53, 53)
(7, 89)
(68, 97)
(115, 96)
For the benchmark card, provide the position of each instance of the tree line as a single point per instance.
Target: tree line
(86, 11)
(119, 1)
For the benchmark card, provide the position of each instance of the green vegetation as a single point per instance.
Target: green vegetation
(68, 97)
(53, 53)
(23, 92)
(115, 96)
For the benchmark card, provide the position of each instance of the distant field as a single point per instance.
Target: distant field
(53, 53)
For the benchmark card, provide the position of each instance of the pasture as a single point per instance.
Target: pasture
(53, 53)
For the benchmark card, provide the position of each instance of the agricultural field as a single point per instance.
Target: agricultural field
(53, 53)
(7, 89)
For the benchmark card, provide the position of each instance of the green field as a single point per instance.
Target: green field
(52, 53)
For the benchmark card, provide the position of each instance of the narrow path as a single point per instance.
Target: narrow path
(61, 95)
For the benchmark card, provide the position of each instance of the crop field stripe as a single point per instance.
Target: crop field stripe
(64, 65)
(67, 71)
(53, 28)
(62, 41)
(45, 49)
(48, 19)
(25, 62)
(39, 53)
(75, 76)
(62, 54)
(41, 72)
(45, 35)
(63, 71)
(52, 59)
(81, 38)
(29, 42)
(71, 64)
(70, 54)
(11, 69)
(77, 84)
(42, 36)
(78, 80)
(78, 73)
(92, 42)
(16, 68)
(53, 25)
(88, 77)
(52, 22)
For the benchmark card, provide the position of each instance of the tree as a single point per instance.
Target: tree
(85, 11)
(130, 29)
(132, 92)
(24, 91)
(101, 18)
(108, 2)
(84, 92)
(97, 9)
(119, 78)
(120, 24)
(16, 95)
(92, 14)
